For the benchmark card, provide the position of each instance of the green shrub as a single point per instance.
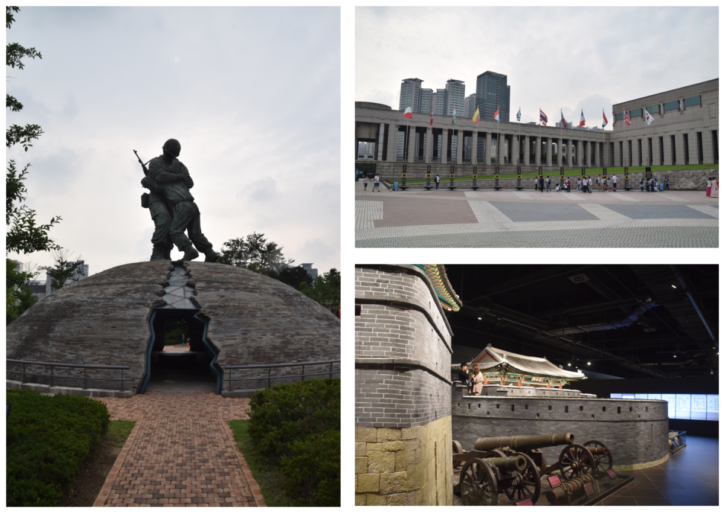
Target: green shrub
(299, 425)
(48, 437)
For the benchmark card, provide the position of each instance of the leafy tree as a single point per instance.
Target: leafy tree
(65, 270)
(325, 290)
(255, 253)
(293, 276)
(18, 296)
(25, 235)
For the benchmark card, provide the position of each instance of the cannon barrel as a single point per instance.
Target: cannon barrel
(523, 443)
(508, 464)
(568, 487)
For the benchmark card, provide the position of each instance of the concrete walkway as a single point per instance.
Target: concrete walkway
(180, 453)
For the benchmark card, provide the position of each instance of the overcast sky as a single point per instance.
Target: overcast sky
(555, 58)
(252, 94)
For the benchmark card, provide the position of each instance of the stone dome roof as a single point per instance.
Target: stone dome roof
(106, 319)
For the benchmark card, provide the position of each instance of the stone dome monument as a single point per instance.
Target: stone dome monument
(116, 318)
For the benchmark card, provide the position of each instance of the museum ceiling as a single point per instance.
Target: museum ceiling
(630, 321)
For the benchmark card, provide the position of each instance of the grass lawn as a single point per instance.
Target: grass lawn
(267, 475)
(92, 476)
(590, 171)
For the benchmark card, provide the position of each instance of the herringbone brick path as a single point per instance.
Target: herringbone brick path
(180, 453)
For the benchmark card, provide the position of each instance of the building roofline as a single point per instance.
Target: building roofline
(665, 92)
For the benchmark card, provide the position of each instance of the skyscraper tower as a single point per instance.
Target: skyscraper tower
(426, 99)
(441, 102)
(470, 105)
(455, 94)
(492, 92)
(410, 94)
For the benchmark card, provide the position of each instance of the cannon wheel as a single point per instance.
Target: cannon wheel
(479, 476)
(527, 484)
(575, 460)
(457, 448)
(601, 460)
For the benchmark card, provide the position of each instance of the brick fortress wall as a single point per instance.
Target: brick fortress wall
(402, 400)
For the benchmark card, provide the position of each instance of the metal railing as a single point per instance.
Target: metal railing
(53, 376)
(269, 377)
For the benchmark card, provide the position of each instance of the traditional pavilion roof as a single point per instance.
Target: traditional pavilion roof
(446, 295)
(494, 358)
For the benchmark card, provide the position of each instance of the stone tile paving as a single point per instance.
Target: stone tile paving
(180, 453)
(529, 212)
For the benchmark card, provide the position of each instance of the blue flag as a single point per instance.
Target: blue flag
(518, 116)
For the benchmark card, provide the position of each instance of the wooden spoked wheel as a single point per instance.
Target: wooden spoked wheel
(602, 461)
(457, 448)
(478, 484)
(575, 460)
(527, 483)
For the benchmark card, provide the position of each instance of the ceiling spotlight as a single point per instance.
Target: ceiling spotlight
(588, 363)
(569, 364)
(673, 286)
(480, 318)
(675, 356)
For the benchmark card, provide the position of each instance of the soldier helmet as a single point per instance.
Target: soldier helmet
(172, 146)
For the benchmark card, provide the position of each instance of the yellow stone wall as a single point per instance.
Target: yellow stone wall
(408, 466)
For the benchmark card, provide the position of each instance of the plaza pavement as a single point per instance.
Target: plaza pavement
(528, 218)
(180, 453)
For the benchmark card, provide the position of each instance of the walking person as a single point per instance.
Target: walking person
(641, 185)
(541, 184)
(438, 181)
(578, 184)
(590, 184)
(709, 187)
(536, 184)
(365, 183)
(376, 183)
(715, 191)
(548, 184)
(568, 185)
(614, 182)
(667, 182)
(599, 182)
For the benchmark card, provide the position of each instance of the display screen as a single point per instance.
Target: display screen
(683, 407)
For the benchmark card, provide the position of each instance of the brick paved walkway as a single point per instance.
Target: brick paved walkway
(180, 453)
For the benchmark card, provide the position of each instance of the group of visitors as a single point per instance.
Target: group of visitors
(474, 382)
(583, 184)
(376, 184)
(652, 184)
(713, 187)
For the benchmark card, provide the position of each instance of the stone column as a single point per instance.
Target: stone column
(667, 149)
(515, 151)
(692, 140)
(501, 148)
(527, 149)
(588, 163)
(412, 134)
(428, 144)
(537, 151)
(392, 143)
(474, 148)
(444, 146)
(679, 148)
(549, 152)
(459, 147)
(381, 134)
(487, 149)
(597, 156)
(569, 152)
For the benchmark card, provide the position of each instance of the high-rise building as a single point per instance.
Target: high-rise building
(441, 102)
(455, 94)
(410, 94)
(470, 106)
(426, 100)
(493, 93)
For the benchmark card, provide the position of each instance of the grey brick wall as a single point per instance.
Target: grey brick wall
(634, 428)
(402, 349)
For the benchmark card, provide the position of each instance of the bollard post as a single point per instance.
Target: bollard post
(626, 179)
(518, 177)
(427, 179)
(561, 179)
(452, 175)
(405, 175)
(475, 176)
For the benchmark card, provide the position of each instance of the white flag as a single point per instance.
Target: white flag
(518, 116)
(648, 117)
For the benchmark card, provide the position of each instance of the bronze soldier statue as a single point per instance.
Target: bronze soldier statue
(173, 208)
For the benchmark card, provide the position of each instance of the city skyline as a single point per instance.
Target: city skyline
(568, 72)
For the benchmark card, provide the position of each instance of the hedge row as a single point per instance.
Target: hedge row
(298, 425)
(48, 437)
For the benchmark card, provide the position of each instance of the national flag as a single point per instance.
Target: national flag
(495, 116)
(431, 115)
(408, 112)
(581, 122)
(604, 122)
(626, 119)
(476, 117)
(563, 121)
(518, 116)
(543, 118)
(648, 117)
(454, 117)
